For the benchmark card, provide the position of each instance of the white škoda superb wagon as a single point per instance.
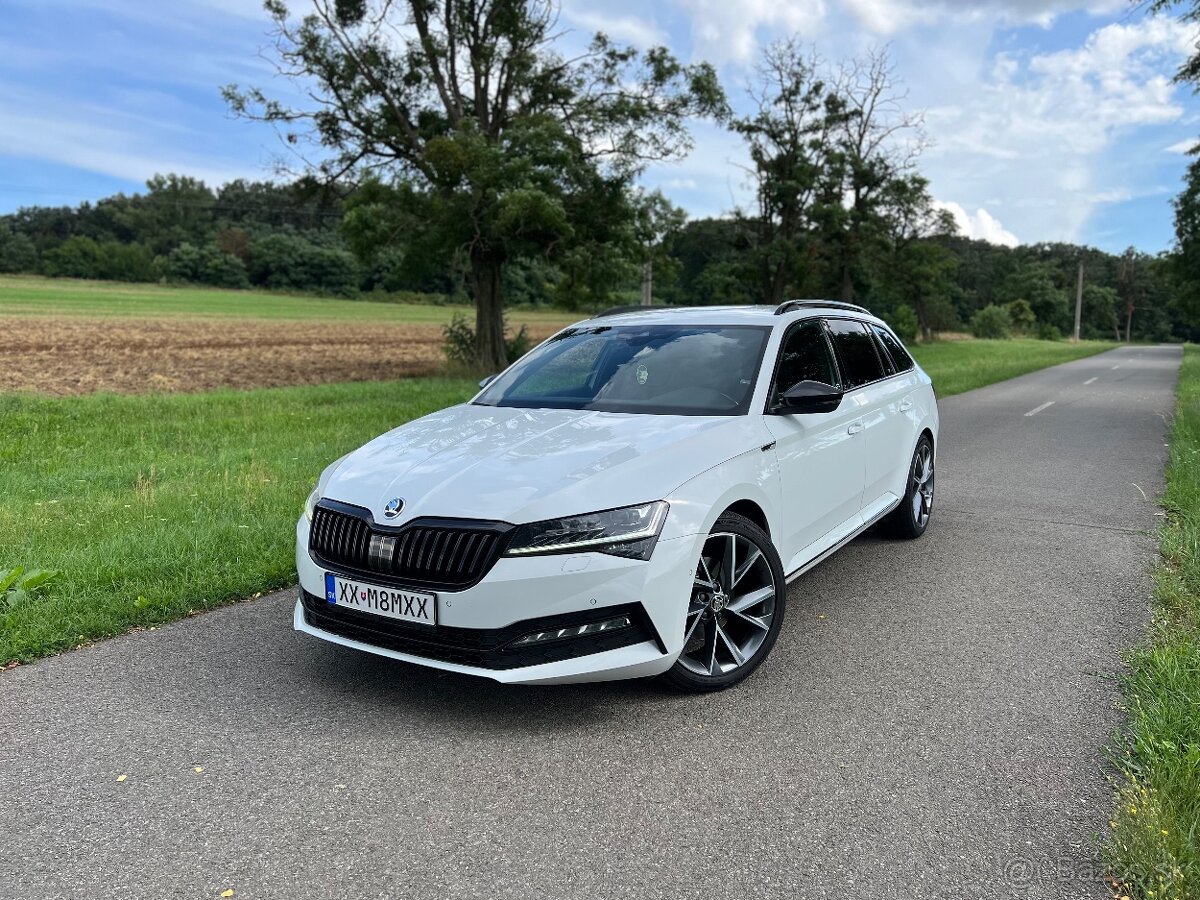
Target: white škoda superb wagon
(629, 499)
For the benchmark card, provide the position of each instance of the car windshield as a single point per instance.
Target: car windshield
(688, 370)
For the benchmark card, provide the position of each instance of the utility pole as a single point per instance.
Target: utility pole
(647, 283)
(1078, 298)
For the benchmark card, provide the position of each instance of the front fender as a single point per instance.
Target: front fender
(697, 503)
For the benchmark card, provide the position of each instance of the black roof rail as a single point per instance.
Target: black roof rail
(617, 310)
(789, 305)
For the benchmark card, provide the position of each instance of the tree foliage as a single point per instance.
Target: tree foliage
(515, 149)
(992, 322)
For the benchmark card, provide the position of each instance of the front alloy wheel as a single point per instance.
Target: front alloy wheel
(735, 610)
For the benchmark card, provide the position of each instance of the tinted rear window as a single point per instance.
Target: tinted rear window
(899, 355)
(856, 351)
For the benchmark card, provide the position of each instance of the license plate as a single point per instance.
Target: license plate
(394, 603)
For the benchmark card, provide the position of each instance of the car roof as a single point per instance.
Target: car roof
(728, 315)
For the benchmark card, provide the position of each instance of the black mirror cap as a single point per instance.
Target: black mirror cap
(810, 397)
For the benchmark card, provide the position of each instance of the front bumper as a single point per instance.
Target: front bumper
(521, 594)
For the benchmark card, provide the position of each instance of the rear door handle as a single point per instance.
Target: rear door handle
(855, 428)
(906, 404)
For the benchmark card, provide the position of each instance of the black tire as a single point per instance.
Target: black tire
(712, 619)
(908, 520)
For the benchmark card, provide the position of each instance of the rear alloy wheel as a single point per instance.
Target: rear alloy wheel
(736, 608)
(911, 517)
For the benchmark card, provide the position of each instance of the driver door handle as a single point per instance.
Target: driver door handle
(855, 428)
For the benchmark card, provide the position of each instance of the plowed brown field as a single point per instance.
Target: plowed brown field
(73, 355)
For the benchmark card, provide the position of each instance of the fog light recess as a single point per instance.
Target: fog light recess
(573, 631)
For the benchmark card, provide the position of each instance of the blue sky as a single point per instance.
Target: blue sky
(1048, 119)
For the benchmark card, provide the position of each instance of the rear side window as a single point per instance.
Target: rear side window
(804, 357)
(860, 362)
(899, 355)
(885, 358)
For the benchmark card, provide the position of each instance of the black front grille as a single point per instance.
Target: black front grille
(445, 553)
(486, 648)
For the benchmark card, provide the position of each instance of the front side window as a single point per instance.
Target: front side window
(899, 355)
(804, 356)
(690, 370)
(856, 352)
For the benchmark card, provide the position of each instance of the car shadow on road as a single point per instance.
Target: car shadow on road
(387, 687)
(335, 676)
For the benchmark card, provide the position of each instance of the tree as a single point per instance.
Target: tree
(704, 244)
(1099, 318)
(1022, 317)
(516, 147)
(656, 220)
(875, 151)
(206, 265)
(797, 170)
(1034, 283)
(287, 261)
(1187, 246)
(76, 257)
(1128, 288)
(17, 252)
(918, 265)
(393, 230)
(174, 209)
(992, 323)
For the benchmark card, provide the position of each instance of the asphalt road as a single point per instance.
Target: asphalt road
(930, 723)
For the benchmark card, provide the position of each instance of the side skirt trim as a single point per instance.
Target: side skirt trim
(825, 554)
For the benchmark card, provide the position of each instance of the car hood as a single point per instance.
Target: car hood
(523, 465)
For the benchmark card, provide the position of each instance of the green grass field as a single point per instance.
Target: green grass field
(1155, 845)
(24, 295)
(957, 366)
(155, 505)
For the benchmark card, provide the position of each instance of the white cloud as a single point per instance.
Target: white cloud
(1184, 147)
(891, 16)
(728, 30)
(626, 28)
(1075, 99)
(122, 143)
(712, 181)
(982, 226)
(1038, 130)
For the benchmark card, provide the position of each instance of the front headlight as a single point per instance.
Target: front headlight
(631, 532)
(311, 503)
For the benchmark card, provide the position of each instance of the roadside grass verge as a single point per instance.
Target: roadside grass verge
(1154, 850)
(156, 505)
(957, 366)
(22, 295)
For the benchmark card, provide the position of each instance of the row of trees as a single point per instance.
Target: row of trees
(461, 153)
(240, 235)
(367, 241)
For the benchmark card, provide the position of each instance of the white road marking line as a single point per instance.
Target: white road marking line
(1090, 380)
(1038, 409)
(1117, 366)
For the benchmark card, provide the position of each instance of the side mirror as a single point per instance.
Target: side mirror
(486, 380)
(810, 397)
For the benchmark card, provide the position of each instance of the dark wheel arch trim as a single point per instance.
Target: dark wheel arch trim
(748, 509)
